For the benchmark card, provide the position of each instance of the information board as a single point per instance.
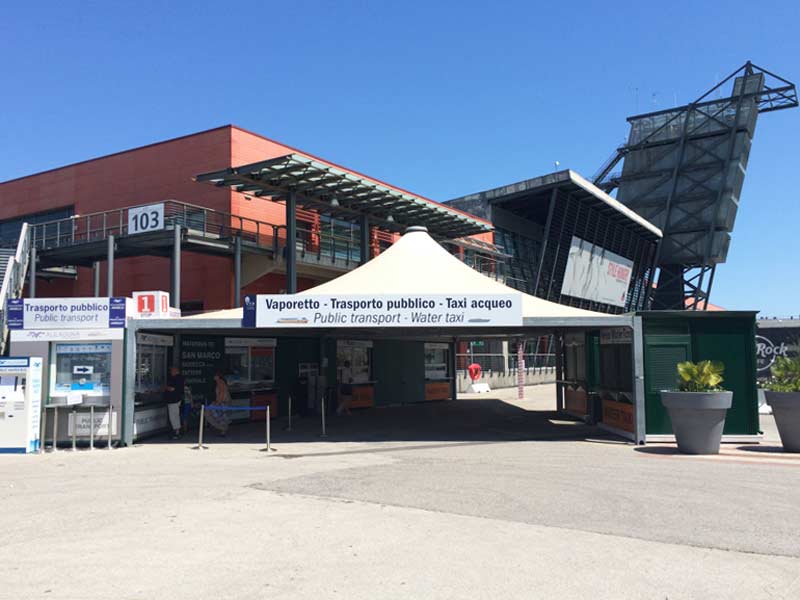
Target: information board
(201, 357)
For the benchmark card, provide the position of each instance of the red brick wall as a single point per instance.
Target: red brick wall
(148, 174)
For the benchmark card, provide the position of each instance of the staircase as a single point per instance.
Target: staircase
(13, 269)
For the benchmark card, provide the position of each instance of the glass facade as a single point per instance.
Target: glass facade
(11, 228)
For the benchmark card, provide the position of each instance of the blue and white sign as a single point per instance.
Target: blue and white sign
(392, 310)
(67, 313)
(15, 313)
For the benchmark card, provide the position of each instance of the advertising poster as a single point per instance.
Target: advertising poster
(772, 342)
(596, 274)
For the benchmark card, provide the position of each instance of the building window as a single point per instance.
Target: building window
(11, 228)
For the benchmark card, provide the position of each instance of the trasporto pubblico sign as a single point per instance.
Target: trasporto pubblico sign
(400, 310)
(66, 313)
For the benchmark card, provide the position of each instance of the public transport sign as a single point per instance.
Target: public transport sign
(391, 310)
(67, 313)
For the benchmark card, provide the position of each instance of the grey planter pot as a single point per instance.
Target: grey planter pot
(786, 410)
(697, 419)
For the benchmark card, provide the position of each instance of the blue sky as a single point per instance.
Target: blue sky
(442, 98)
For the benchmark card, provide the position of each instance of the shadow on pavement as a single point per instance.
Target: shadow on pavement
(453, 422)
(660, 450)
(768, 450)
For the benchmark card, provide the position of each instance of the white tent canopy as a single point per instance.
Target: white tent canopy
(417, 264)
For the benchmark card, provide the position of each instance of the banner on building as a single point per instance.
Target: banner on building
(596, 274)
(401, 310)
(775, 339)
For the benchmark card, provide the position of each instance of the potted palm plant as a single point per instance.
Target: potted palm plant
(699, 406)
(782, 392)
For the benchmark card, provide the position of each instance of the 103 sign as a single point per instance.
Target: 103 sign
(145, 218)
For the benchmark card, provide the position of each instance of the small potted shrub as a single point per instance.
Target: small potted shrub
(698, 409)
(782, 392)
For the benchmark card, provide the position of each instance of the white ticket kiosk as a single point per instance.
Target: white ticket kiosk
(81, 342)
(20, 404)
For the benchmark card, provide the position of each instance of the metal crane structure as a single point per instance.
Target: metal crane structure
(683, 170)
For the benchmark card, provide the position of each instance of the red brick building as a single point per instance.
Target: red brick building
(166, 171)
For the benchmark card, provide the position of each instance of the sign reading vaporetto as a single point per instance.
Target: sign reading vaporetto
(401, 310)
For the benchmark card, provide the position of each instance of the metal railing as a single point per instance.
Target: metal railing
(501, 363)
(316, 242)
(93, 227)
(322, 244)
(14, 279)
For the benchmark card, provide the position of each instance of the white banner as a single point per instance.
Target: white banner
(407, 310)
(596, 274)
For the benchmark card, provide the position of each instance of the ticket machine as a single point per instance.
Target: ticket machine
(20, 404)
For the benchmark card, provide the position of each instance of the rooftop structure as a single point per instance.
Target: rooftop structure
(683, 170)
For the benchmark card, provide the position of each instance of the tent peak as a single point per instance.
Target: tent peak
(416, 229)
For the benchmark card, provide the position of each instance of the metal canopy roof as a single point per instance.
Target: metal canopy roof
(342, 194)
(533, 194)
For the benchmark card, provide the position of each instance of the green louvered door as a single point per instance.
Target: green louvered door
(661, 355)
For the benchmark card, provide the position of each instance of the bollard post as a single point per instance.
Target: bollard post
(55, 429)
(110, 415)
(91, 427)
(200, 445)
(268, 448)
(74, 429)
(324, 433)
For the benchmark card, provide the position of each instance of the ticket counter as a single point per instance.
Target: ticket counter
(153, 357)
(358, 354)
(614, 360)
(248, 364)
(438, 377)
(83, 371)
(575, 384)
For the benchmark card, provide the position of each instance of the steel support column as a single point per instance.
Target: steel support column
(110, 266)
(546, 236)
(453, 372)
(637, 355)
(96, 278)
(237, 272)
(364, 238)
(175, 267)
(559, 339)
(32, 281)
(129, 391)
(291, 243)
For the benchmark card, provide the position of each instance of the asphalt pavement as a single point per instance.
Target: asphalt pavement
(481, 498)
